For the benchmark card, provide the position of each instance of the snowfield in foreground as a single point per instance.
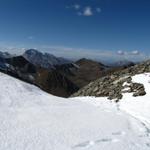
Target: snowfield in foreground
(31, 119)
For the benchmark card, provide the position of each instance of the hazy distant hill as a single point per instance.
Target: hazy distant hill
(122, 63)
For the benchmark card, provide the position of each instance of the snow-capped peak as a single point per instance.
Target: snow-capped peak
(45, 60)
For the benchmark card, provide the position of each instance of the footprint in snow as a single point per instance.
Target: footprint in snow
(103, 140)
(84, 144)
(107, 140)
(119, 133)
(88, 144)
(148, 144)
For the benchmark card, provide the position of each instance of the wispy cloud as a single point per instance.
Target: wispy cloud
(134, 52)
(84, 10)
(74, 6)
(100, 55)
(88, 11)
(120, 52)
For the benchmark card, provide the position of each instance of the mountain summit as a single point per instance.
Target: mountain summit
(44, 60)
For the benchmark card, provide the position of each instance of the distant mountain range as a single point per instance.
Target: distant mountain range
(123, 63)
(55, 75)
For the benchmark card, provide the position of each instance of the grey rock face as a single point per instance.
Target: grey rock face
(113, 86)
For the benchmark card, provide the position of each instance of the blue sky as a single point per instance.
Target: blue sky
(100, 29)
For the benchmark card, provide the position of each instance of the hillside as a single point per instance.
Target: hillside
(53, 82)
(114, 85)
(49, 80)
(82, 71)
(32, 119)
(52, 74)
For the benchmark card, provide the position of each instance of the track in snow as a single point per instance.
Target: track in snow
(32, 119)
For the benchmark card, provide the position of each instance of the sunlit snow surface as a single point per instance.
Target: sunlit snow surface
(138, 107)
(31, 119)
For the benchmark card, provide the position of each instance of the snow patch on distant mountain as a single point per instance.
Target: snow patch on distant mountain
(3, 56)
(45, 60)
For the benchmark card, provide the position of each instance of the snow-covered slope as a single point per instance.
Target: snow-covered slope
(31, 119)
(139, 107)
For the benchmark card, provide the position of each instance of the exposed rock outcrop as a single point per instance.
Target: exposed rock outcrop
(114, 85)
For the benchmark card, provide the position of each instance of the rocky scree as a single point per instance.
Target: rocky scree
(113, 86)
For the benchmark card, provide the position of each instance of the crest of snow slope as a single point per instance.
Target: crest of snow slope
(31, 119)
(138, 107)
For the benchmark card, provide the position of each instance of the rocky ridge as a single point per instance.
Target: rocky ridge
(114, 85)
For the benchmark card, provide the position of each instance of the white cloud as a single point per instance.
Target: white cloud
(120, 52)
(87, 11)
(84, 10)
(136, 52)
